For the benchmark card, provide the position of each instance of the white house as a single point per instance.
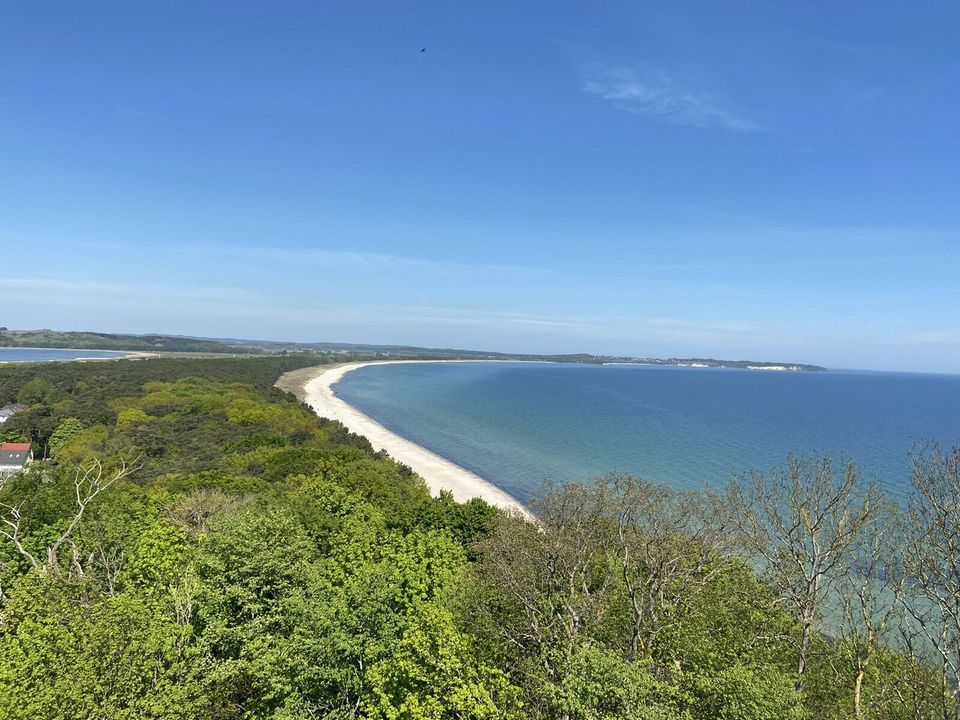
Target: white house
(8, 411)
(14, 457)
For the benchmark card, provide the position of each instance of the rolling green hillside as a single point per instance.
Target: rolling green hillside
(110, 341)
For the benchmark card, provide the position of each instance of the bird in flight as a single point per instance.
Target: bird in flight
(423, 50)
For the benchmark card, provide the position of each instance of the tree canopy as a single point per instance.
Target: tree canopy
(197, 544)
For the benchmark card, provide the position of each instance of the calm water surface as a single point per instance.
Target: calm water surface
(28, 355)
(517, 423)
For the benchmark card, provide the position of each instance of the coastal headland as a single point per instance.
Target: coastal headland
(314, 386)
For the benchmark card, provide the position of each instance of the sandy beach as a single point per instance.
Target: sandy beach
(314, 386)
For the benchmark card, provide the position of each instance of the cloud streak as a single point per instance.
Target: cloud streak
(949, 337)
(374, 262)
(152, 291)
(657, 96)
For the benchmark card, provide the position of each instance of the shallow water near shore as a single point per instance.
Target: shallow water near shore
(518, 423)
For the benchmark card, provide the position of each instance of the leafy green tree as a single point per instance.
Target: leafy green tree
(431, 675)
(160, 559)
(249, 567)
(38, 391)
(13, 435)
(468, 522)
(599, 684)
(744, 692)
(79, 657)
(66, 431)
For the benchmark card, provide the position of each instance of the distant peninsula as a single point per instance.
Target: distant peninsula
(713, 363)
(155, 342)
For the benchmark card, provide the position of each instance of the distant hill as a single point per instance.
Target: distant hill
(110, 341)
(348, 351)
(412, 351)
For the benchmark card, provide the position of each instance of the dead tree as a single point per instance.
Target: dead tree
(89, 482)
(12, 517)
(196, 509)
(933, 562)
(870, 594)
(666, 553)
(554, 574)
(799, 524)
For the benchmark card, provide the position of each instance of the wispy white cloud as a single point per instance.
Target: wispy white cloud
(949, 337)
(465, 316)
(83, 288)
(372, 262)
(727, 327)
(241, 303)
(658, 96)
(237, 312)
(354, 261)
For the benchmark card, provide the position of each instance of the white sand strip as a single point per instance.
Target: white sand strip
(438, 472)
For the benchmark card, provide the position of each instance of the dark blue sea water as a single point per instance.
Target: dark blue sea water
(30, 355)
(517, 423)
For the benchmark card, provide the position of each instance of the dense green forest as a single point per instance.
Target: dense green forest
(198, 544)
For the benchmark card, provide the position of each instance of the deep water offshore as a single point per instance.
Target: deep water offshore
(519, 423)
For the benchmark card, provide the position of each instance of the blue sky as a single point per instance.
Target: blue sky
(761, 180)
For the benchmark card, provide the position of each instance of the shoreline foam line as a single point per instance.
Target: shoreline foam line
(438, 472)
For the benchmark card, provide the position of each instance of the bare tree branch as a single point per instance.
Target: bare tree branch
(89, 482)
(799, 525)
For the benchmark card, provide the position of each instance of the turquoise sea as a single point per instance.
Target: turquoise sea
(517, 423)
(45, 355)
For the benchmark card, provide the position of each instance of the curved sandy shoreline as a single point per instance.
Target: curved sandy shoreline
(316, 390)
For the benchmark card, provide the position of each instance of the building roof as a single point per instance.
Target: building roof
(16, 454)
(8, 411)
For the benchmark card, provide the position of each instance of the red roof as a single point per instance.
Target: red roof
(14, 447)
